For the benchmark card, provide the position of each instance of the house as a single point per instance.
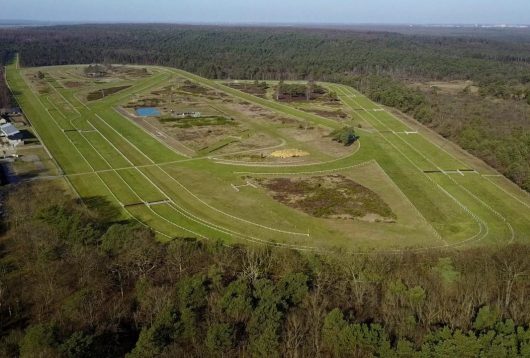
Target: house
(11, 133)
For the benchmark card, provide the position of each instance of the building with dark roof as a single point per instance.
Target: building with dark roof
(13, 111)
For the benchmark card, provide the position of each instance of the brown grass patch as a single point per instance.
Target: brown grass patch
(73, 84)
(332, 197)
(104, 92)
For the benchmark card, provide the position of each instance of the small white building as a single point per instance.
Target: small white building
(188, 114)
(11, 133)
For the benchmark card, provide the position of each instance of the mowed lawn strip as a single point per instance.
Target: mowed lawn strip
(119, 188)
(486, 201)
(103, 147)
(151, 147)
(90, 186)
(228, 219)
(89, 153)
(119, 142)
(497, 229)
(141, 185)
(513, 213)
(139, 86)
(405, 165)
(449, 219)
(59, 117)
(146, 216)
(520, 197)
(193, 225)
(436, 155)
(51, 133)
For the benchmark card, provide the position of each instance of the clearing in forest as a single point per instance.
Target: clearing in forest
(204, 163)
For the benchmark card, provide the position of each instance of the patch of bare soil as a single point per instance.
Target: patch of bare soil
(330, 197)
(448, 87)
(288, 153)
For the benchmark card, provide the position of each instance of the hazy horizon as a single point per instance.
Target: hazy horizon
(339, 12)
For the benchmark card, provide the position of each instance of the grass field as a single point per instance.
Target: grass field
(441, 196)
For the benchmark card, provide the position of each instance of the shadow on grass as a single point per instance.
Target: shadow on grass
(104, 209)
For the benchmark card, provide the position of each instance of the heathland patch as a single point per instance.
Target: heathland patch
(187, 122)
(331, 197)
(104, 92)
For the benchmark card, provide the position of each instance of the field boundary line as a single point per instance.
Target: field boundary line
(510, 228)
(272, 165)
(507, 192)
(473, 216)
(151, 209)
(212, 226)
(420, 126)
(450, 178)
(152, 135)
(125, 138)
(225, 213)
(392, 183)
(61, 130)
(193, 195)
(283, 143)
(309, 172)
(62, 96)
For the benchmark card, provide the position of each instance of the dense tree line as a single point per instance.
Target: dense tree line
(275, 53)
(5, 95)
(380, 63)
(75, 283)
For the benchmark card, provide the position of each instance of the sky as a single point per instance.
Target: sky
(272, 11)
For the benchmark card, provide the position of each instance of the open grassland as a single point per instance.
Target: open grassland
(439, 197)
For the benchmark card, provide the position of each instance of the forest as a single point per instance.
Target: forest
(76, 283)
(274, 53)
(384, 63)
(5, 96)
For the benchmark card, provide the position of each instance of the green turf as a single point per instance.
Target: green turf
(142, 185)
(107, 155)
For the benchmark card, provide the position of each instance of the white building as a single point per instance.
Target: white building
(11, 133)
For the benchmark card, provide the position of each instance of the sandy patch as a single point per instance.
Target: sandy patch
(288, 153)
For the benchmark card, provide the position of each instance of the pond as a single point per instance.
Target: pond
(147, 112)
